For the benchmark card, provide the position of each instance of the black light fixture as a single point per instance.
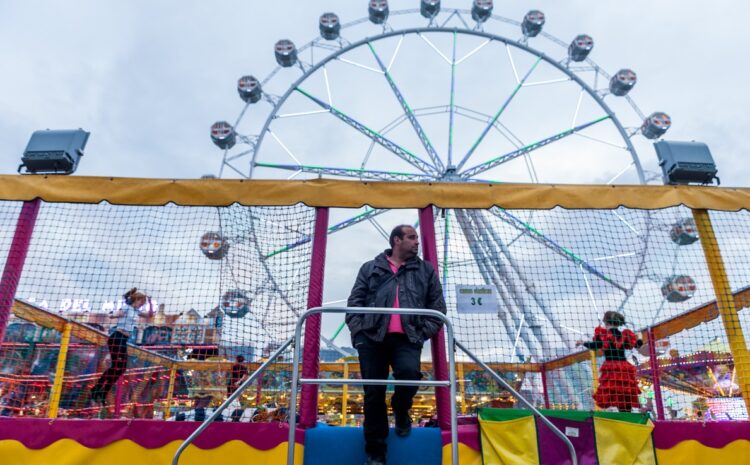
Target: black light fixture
(54, 151)
(686, 162)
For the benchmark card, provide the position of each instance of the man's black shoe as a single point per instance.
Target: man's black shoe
(403, 424)
(373, 460)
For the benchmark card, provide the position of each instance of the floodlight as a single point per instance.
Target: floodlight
(54, 151)
(686, 162)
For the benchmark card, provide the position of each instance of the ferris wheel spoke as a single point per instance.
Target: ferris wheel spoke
(432, 46)
(370, 213)
(452, 102)
(409, 113)
(497, 115)
(481, 168)
(623, 171)
(233, 168)
(528, 284)
(482, 261)
(550, 243)
(602, 141)
(350, 172)
(396, 149)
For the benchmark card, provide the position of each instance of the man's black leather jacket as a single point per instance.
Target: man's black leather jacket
(418, 287)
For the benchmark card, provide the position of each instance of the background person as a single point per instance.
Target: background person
(618, 384)
(118, 342)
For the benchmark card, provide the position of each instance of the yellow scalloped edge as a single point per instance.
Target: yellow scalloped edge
(693, 452)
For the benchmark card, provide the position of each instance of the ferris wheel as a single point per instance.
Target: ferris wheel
(439, 94)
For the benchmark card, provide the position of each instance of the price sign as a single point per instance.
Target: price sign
(476, 299)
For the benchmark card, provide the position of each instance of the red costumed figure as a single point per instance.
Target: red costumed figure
(618, 386)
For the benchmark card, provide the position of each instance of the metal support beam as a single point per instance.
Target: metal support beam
(656, 380)
(170, 392)
(57, 387)
(725, 301)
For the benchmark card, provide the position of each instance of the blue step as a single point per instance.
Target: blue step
(343, 445)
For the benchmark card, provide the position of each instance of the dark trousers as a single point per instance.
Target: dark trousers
(118, 353)
(375, 358)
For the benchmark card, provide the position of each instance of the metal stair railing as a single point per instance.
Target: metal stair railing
(240, 389)
(296, 381)
(524, 401)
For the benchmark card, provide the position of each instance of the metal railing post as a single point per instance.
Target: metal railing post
(296, 381)
(556, 431)
(344, 394)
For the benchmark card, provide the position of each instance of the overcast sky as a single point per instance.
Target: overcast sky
(147, 79)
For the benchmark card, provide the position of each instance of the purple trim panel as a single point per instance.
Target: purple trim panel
(468, 435)
(552, 450)
(38, 433)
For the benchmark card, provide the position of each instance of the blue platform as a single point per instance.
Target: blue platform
(341, 445)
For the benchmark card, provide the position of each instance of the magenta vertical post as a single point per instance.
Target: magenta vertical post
(16, 259)
(308, 404)
(545, 392)
(654, 363)
(259, 390)
(439, 355)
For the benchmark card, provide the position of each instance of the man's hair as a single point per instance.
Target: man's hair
(240, 359)
(398, 231)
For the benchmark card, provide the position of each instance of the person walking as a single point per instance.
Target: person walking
(618, 384)
(117, 343)
(396, 278)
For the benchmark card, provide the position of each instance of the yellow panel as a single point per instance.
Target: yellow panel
(624, 443)
(466, 455)
(511, 442)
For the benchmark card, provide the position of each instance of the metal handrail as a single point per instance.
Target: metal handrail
(524, 401)
(229, 400)
(451, 382)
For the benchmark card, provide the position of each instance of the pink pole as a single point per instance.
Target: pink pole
(654, 362)
(439, 355)
(308, 404)
(259, 391)
(16, 259)
(545, 392)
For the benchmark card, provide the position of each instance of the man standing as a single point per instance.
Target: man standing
(397, 278)
(237, 375)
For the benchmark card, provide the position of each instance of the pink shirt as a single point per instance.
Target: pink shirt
(394, 326)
